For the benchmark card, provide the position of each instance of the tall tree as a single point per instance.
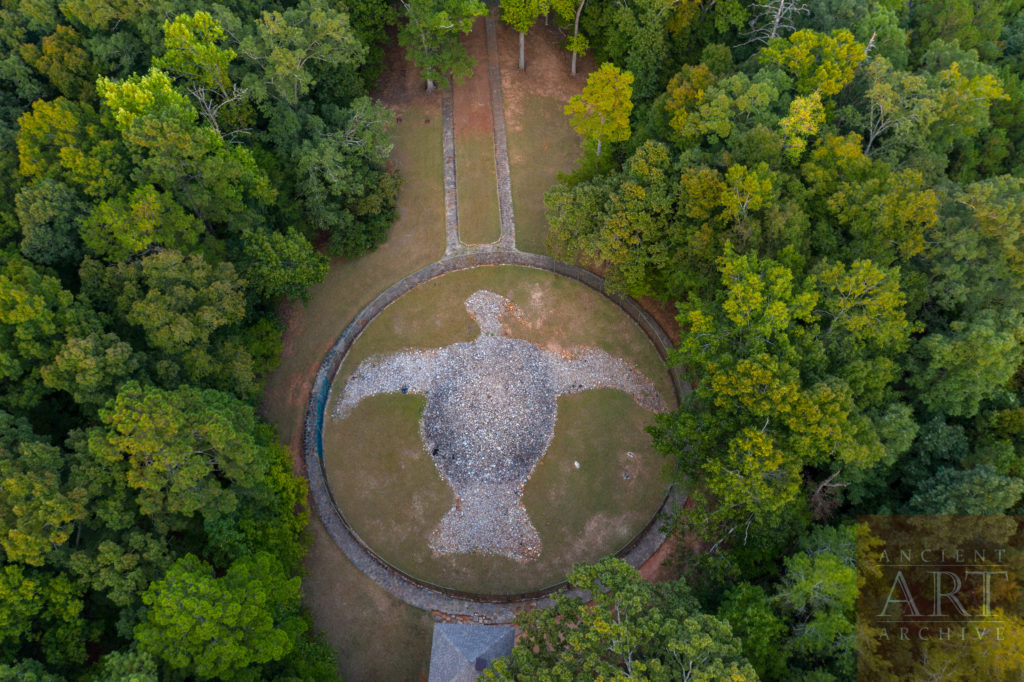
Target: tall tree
(279, 265)
(630, 629)
(216, 627)
(521, 15)
(36, 313)
(602, 111)
(193, 54)
(569, 10)
(430, 37)
(300, 46)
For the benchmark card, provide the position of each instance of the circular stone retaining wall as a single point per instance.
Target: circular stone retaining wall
(479, 607)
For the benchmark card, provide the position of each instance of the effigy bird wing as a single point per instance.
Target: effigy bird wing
(405, 372)
(588, 368)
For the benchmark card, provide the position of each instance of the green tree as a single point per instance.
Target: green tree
(630, 629)
(954, 370)
(624, 221)
(67, 140)
(343, 179)
(883, 214)
(146, 218)
(825, 63)
(186, 449)
(430, 37)
(973, 23)
(979, 490)
(521, 15)
(27, 670)
(602, 111)
(61, 58)
(213, 627)
(187, 310)
(298, 47)
(91, 368)
(819, 591)
(193, 54)
(37, 512)
(279, 265)
(215, 180)
(748, 610)
(128, 666)
(49, 214)
(44, 612)
(878, 24)
(36, 313)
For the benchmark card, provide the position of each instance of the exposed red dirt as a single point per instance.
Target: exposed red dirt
(400, 82)
(547, 71)
(472, 97)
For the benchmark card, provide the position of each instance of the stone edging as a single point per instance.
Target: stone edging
(480, 608)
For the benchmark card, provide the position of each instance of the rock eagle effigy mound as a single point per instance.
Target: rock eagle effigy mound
(490, 416)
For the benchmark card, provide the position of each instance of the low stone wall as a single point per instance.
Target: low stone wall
(488, 608)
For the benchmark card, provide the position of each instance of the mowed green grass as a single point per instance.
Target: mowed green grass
(479, 220)
(540, 147)
(364, 623)
(391, 493)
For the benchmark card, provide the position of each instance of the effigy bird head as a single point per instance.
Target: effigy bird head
(487, 308)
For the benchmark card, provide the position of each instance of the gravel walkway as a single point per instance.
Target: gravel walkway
(490, 416)
(451, 195)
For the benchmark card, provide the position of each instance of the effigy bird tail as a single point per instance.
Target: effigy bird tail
(487, 519)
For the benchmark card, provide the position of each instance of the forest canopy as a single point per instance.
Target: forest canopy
(173, 172)
(827, 193)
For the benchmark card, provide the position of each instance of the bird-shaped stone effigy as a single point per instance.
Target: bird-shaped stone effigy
(490, 416)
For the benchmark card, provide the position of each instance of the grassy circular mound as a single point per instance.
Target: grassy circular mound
(391, 494)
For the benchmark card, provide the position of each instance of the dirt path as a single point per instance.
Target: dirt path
(479, 212)
(504, 177)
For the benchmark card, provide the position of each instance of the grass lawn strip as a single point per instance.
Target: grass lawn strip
(479, 220)
(535, 160)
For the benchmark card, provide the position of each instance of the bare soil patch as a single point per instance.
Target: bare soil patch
(547, 71)
(479, 219)
(541, 143)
